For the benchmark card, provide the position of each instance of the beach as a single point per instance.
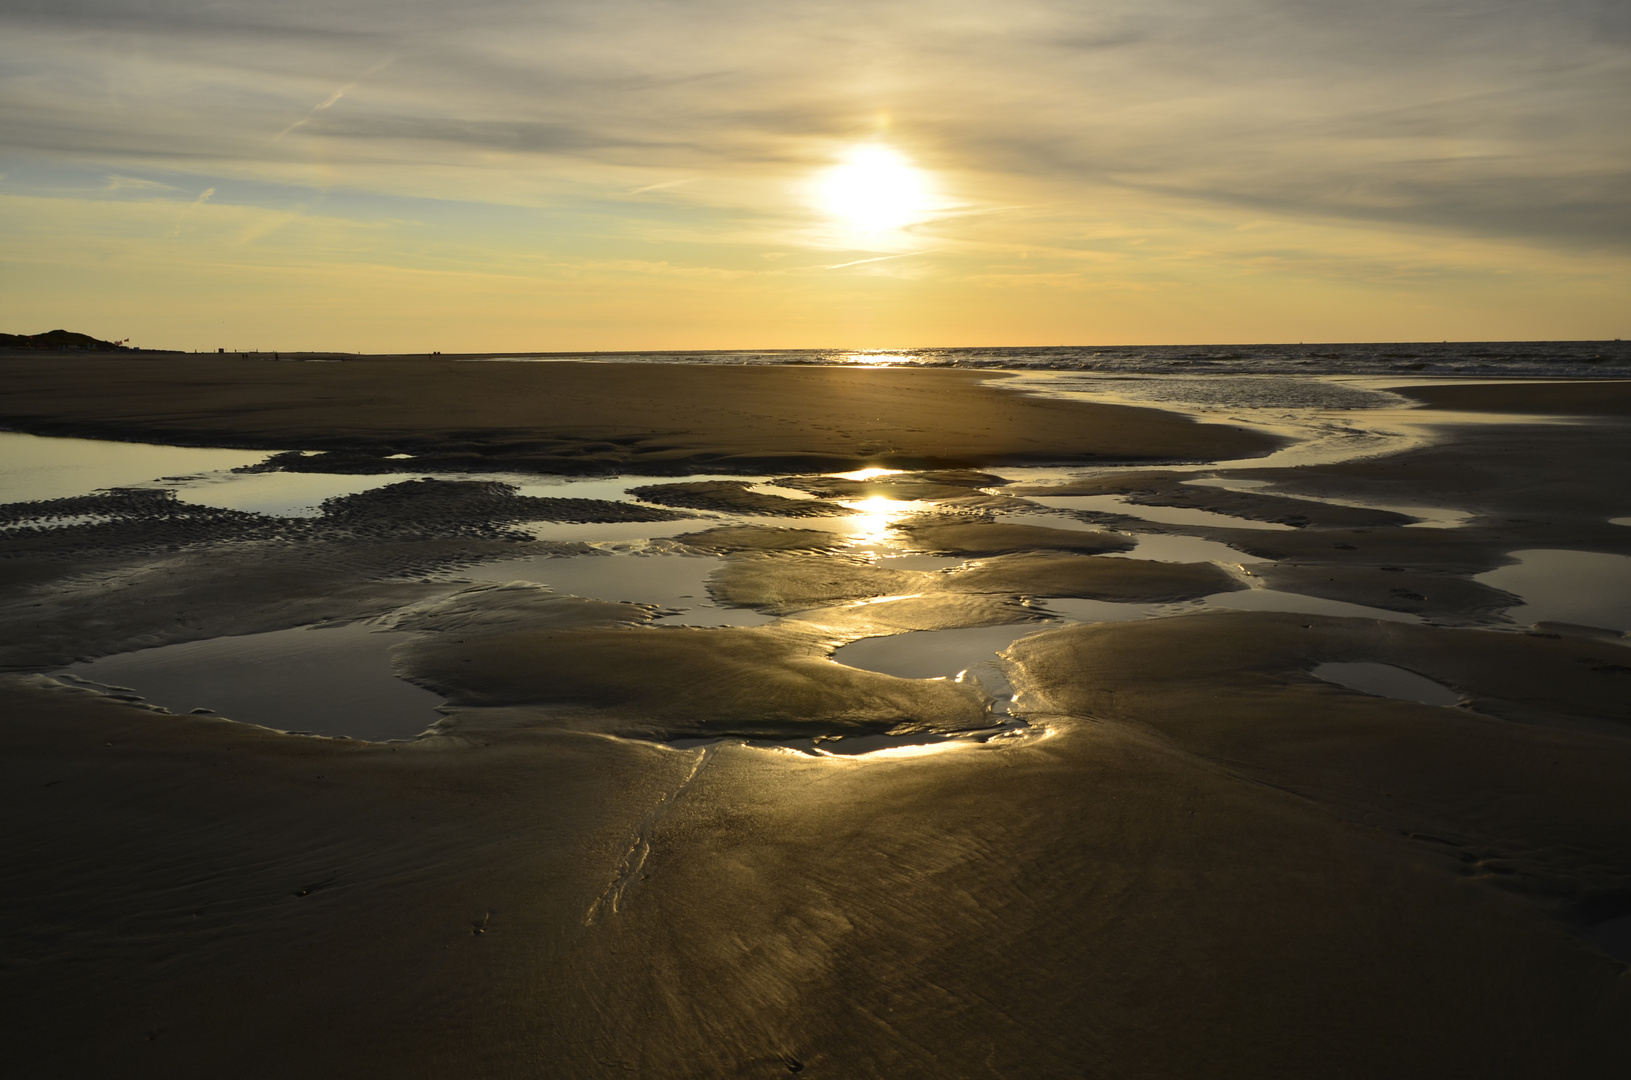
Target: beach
(575, 417)
(1165, 833)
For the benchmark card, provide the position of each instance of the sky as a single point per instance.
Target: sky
(694, 174)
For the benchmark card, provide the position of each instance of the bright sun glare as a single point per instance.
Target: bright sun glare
(876, 188)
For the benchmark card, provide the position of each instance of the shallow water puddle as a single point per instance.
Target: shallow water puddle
(278, 494)
(668, 581)
(35, 467)
(1430, 517)
(1166, 515)
(933, 654)
(870, 525)
(1585, 588)
(318, 680)
(1228, 483)
(941, 654)
(1157, 547)
(1077, 609)
(300, 494)
(1273, 600)
(1385, 680)
(611, 532)
(864, 748)
(1051, 521)
(1427, 517)
(612, 488)
(1153, 547)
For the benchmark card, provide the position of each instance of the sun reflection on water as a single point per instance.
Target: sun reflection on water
(876, 515)
(873, 518)
(880, 358)
(910, 750)
(867, 474)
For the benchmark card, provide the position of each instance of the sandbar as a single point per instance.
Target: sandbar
(567, 416)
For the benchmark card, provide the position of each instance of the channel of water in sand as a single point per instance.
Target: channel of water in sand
(340, 681)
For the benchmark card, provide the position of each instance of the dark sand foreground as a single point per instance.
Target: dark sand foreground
(1212, 865)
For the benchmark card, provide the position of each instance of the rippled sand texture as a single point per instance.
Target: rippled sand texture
(1186, 848)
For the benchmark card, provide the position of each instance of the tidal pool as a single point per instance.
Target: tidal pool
(277, 494)
(1155, 547)
(610, 532)
(677, 582)
(1160, 547)
(1385, 680)
(1585, 588)
(310, 680)
(1274, 600)
(1166, 515)
(1427, 517)
(36, 467)
(945, 654)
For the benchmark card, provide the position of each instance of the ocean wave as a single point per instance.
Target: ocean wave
(1524, 359)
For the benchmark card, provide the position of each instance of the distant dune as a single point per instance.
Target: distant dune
(60, 340)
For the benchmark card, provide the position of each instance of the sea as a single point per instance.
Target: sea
(1481, 359)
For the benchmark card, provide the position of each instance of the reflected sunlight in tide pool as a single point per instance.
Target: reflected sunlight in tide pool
(874, 517)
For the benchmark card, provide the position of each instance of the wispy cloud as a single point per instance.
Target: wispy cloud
(203, 197)
(878, 259)
(663, 186)
(115, 182)
(330, 101)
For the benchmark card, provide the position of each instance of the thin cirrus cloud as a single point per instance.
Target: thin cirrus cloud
(332, 100)
(1485, 116)
(1491, 120)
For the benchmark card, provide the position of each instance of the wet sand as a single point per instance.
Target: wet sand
(1579, 398)
(1198, 859)
(584, 417)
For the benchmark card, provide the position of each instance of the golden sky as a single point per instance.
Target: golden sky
(635, 174)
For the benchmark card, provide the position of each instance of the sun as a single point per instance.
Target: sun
(875, 189)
